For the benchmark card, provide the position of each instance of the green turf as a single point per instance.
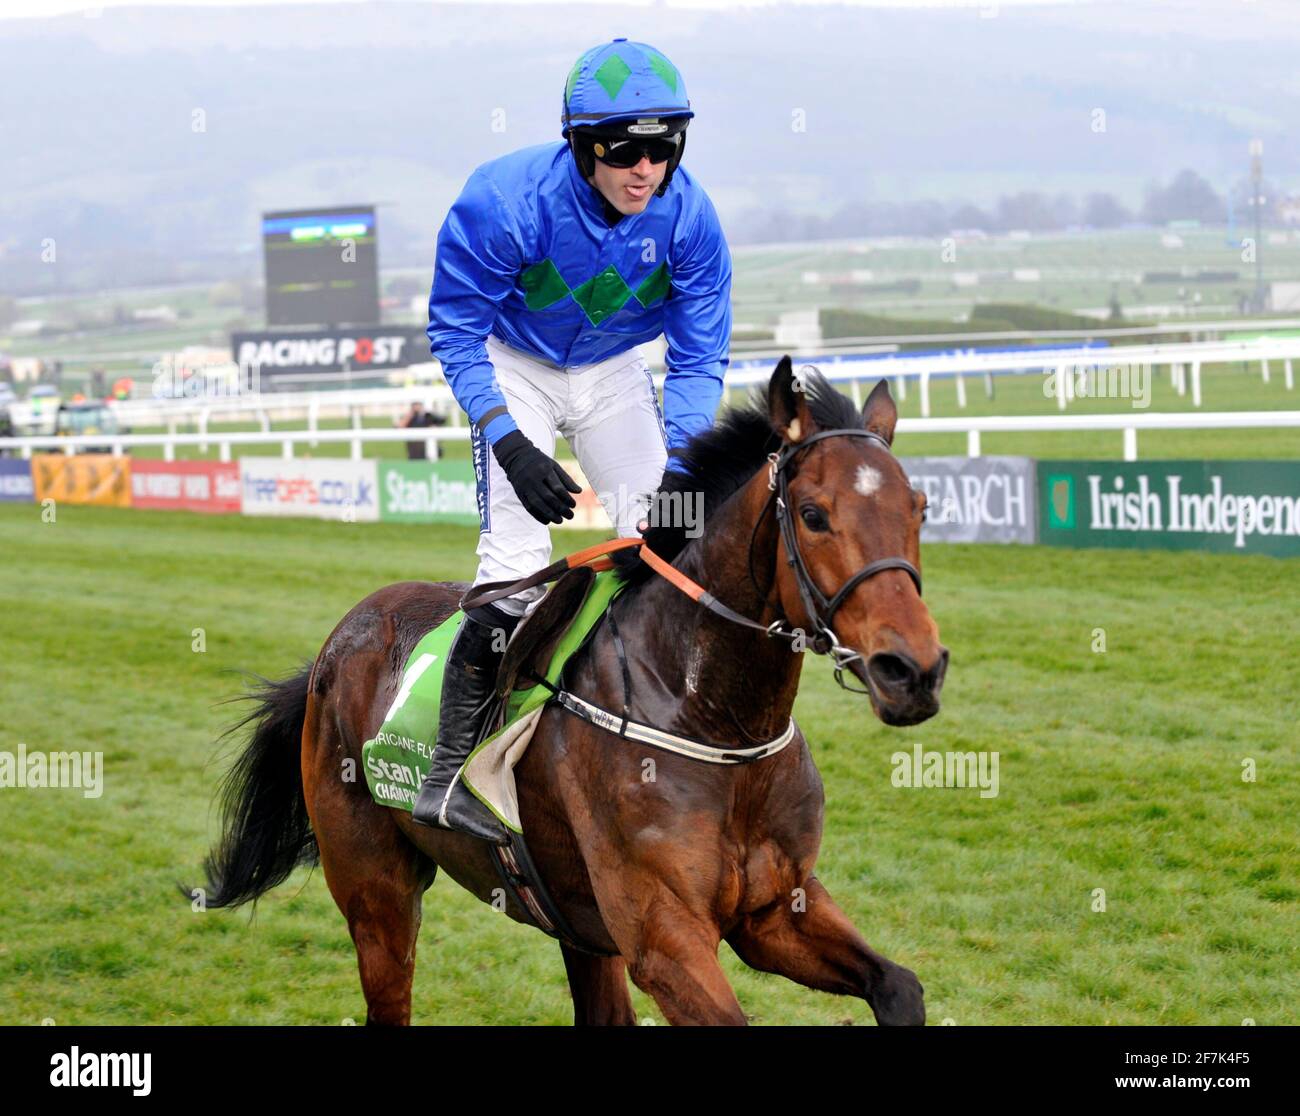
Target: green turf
(1118, 770)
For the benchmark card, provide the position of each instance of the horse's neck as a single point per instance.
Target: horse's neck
(734, 684)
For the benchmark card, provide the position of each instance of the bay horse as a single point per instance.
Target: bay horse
(800, 492)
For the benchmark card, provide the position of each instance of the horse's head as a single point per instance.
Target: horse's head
(850, 511)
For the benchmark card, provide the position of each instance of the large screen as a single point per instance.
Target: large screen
(322, 267)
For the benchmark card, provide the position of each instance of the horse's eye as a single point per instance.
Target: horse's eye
(813, 518)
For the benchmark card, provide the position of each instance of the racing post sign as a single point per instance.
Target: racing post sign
(298, 358)
(1237, 507)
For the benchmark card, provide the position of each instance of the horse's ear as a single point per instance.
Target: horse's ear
(787, 404)
(879, 415)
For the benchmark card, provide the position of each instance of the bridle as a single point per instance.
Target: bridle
(820, 608)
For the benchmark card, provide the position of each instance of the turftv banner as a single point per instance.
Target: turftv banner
(976, 499)
(1239, 507)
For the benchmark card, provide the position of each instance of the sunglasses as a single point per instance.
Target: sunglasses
(624, 153)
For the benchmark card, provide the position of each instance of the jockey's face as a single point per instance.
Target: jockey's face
(630, 189)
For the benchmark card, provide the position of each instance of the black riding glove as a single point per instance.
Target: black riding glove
(662, 527)
(541, 485)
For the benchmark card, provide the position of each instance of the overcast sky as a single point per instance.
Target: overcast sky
(26, 9)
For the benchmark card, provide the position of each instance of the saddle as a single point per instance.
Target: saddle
(532, 647)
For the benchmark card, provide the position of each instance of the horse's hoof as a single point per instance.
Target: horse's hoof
(898, 999)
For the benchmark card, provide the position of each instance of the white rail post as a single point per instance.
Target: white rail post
(972, 443)
(855, 389)
(1196, 383)
(1060, 387)
(961, 393)
(286, 448)
(225, 451)
(1263, 367)
(169, 450)
(203, 430)
(117, 449)
(356, 449)
(925, 394)
(988, 385)
(1288, 378)
(901, 381)
(1130, 443)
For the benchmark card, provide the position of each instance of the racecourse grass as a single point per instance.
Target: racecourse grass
(1118, 770)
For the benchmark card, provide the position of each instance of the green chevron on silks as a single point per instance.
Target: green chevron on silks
(601, 296)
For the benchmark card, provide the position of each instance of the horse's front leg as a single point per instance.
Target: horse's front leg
(675, 960)
(813, 943)
(671, 949)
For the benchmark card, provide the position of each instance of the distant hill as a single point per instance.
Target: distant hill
(146, 141)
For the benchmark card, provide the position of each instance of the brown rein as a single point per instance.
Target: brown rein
(820, 608)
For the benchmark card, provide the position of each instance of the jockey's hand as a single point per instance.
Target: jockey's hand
(541, 485)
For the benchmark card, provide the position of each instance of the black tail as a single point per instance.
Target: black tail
(266, 832)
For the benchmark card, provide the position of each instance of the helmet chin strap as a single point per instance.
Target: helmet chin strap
(585, 159)
(672, 166)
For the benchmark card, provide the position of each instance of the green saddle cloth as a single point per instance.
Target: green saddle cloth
(399, 756)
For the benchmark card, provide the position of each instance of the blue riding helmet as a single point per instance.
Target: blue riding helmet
(623, 90)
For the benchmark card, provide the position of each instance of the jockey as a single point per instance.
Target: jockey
(554, 263)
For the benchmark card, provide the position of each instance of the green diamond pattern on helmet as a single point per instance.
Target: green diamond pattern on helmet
(573, 77)
(612, 74)
(666, 70)
(543, 285)
(602, 295)
(654, 286)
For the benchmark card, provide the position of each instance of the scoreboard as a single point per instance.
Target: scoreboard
(322, 266)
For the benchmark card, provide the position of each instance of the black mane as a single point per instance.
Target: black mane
(720, 460)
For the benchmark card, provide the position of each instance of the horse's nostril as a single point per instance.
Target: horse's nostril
(892, 671)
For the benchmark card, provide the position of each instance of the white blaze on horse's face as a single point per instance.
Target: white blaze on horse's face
(868, 480)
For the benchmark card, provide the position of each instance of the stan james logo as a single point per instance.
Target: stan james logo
(132, 1071)
(37, 770)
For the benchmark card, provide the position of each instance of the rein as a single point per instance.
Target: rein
(820, 608)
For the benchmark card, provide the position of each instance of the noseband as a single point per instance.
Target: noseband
(820, 608)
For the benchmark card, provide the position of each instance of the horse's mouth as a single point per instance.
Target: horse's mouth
(901, 694)
(914, 714)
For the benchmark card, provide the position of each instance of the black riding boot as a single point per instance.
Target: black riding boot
(467, 687)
